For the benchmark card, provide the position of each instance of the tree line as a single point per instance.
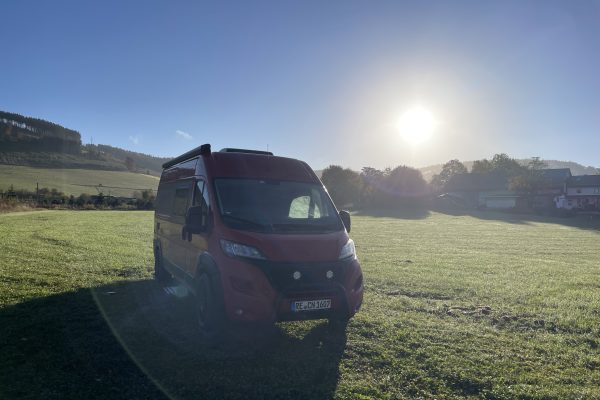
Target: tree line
(374, 188)
(405, 186)
(525, 179)
(53, 198)
(18, 132)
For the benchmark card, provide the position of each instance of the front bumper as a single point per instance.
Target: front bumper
(263, 291)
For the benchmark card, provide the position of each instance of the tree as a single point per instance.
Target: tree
(482, 167)
(500, 164)
(343, 185)
(371, 180)
(83, 199)
(536, 164)
(522, 184)
(404, 181)
(504, 165)
(449, 170)
(529, 180)
(130, 163)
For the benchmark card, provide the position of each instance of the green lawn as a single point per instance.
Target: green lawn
(483, 306)
(67, 180)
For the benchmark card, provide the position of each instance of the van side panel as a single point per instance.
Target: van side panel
(175, 192)
(173, 224)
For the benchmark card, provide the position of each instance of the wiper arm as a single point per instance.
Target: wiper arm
(304, 227)
(244, 220)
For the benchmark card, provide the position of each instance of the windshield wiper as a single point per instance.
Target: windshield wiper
(315, 227)
(245, 221)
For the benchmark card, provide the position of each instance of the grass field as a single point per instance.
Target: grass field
(67, 180)
(481, 306)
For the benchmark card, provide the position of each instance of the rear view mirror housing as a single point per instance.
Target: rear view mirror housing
(345, 216)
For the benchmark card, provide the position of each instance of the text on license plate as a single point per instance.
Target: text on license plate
(309, 305)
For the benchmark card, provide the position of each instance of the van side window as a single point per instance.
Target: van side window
(201, 199)
(164, 199)
(198, 193)
(160, 201)
(180, 204)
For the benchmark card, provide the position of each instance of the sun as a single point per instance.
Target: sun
(416, 125)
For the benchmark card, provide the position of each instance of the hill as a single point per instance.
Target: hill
(38, 143)
(21, 133)
(74, 180)
(97, 157)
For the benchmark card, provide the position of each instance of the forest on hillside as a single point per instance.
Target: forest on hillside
(39, 143)
(20, 133)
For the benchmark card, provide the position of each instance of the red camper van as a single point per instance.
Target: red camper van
(254, 238)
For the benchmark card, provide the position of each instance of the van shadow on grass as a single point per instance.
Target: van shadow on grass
(132, 340)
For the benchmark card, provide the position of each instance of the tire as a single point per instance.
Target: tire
(210, 313)
(160, 273)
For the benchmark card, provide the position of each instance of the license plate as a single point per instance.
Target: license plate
(310, 305)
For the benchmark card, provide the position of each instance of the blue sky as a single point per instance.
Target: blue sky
(323, 81)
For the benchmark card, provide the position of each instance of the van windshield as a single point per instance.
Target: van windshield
(276, 206)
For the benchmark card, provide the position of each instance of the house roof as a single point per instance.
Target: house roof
(584, 181)
(556, 173)
(555, 177)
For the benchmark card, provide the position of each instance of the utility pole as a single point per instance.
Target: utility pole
(37, 194)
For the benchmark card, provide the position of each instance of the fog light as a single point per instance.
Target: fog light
(329, 274)
(297, 275)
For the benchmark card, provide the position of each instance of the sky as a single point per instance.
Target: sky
(322, 81)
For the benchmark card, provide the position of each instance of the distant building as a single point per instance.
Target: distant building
(557, 189)
(582, 193)
(552, 185)
(482, 191)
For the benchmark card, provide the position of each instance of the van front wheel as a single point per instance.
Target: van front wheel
(208, 310)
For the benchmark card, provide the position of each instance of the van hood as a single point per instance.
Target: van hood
(322, 247)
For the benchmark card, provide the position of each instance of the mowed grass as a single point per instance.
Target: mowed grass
(480, 306)
(67, 180)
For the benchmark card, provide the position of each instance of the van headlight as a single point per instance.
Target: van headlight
(233, 249)
(348, 251)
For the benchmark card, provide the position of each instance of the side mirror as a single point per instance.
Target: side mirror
(345, 216)
(196, 220)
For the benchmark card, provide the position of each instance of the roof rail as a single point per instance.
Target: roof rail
(203, 150)
(233, 150)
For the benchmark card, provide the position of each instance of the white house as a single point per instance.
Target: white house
(582, 193)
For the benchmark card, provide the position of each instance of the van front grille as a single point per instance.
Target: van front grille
(291, 277)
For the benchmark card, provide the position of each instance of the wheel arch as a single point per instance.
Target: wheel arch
(207, 265)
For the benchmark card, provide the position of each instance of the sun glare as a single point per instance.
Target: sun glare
(416, 125)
